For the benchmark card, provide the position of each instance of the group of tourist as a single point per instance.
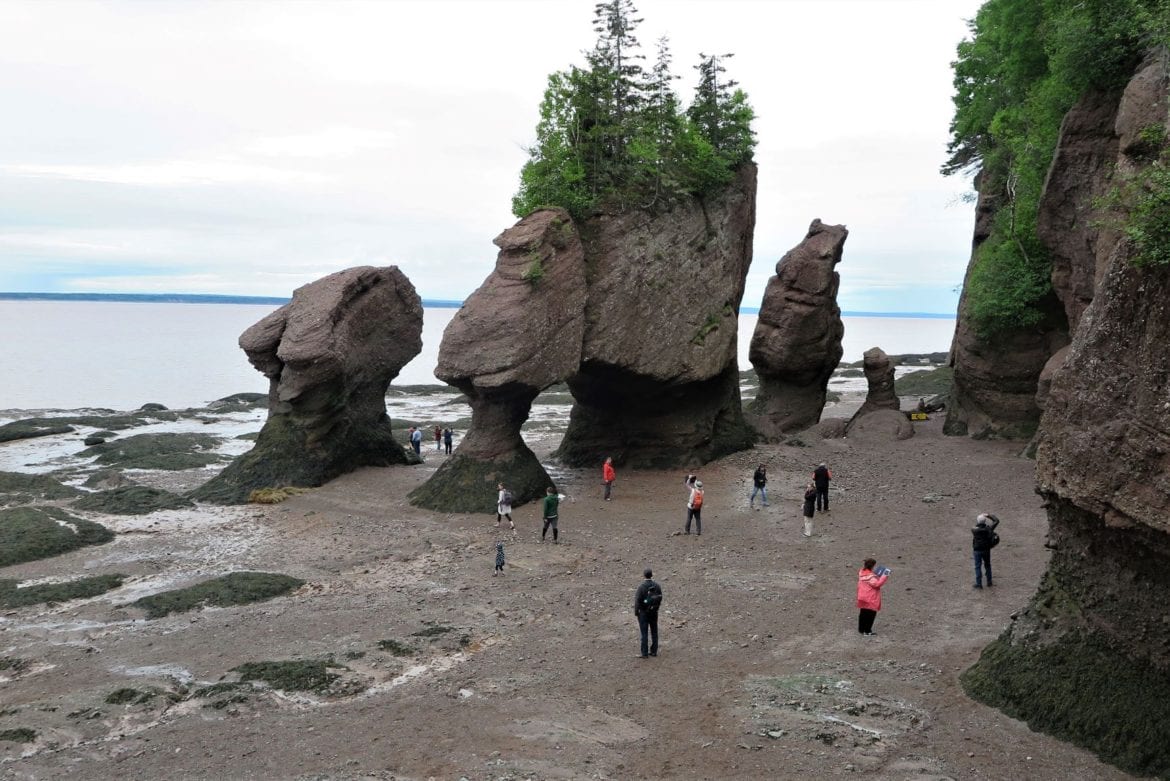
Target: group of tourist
(443, 439)
(648, 596)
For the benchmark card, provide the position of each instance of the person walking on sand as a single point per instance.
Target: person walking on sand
(821, 478)
(759, 480)
(647, 600)
(552, 501)
(607, 477)
(983, 539)
(810, 508)
(869, 594)
(504, 506)
(447, 435)
(499, 558)
(694, 505)
(438, 438)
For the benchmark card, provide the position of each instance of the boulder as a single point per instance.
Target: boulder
(832, 428)
(1095, 639)
(658, 382)
(797, 341)
(329, 355)
(519, 332)
(879, 376)
(883, 425)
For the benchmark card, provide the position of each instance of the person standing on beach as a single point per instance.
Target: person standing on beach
(694, 505)
(821, 478)
(869, 594)
(647, 600)
(810, 508)
(759, 480)
(438, 438)
(552, 501)
(504, 506)
(447, 435)
(983, 539)
(416, 440)
(607, 477)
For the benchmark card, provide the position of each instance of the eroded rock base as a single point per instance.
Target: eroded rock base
(1088, 661)
(646, 425)
(466, 484)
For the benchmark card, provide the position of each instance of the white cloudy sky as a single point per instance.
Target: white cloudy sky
(250, 147)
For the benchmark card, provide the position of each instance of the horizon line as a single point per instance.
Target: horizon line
(433, 303)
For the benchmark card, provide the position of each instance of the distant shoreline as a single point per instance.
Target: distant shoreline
(199, 298)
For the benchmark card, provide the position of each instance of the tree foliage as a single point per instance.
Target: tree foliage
(1025, 64)
(614, 135)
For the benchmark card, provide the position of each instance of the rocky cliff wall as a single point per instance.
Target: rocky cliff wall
(1089, 658)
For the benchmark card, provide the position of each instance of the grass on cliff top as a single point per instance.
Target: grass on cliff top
(236, 588)
(31, 533)
(293, 675)
(13, 597)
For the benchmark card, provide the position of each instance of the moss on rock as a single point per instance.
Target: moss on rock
(166, 451)
(18, 488)
(128, 696)
(83, 588)
(18, 735)
(293, 675)
(237, 588)
(30, 533)
(132, 500)
(925, 383)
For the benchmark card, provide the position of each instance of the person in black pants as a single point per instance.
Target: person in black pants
(983, 539)
(821, 478)
(647, 600)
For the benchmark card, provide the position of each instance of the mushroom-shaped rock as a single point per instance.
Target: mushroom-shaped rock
(879, 376)
(519, 333)
(329, 355)
(658, 383)
(797, 341)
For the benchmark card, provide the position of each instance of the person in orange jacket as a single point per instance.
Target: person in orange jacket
(869, 594)
(607, 477)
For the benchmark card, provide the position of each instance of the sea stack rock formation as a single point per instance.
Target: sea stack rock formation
(797, 341)
(1089, 658)
(519, 333)
(329, 355)
(658, 383)
(879, 375)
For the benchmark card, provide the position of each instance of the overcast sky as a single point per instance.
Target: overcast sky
(248, 148)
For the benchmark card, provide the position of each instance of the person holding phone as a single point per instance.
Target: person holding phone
(870, 580)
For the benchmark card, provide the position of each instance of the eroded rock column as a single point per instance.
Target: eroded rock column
(797, 341)
(329, 355)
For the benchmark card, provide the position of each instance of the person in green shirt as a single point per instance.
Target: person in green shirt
(552, 501)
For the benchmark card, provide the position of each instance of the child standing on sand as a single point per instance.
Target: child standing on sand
(499, 558)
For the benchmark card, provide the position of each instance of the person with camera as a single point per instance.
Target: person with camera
(983, 539)
(870, 580)
(694, 504)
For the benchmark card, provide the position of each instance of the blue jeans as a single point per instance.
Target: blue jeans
(983, 556)
(758, 489)
(648, 624)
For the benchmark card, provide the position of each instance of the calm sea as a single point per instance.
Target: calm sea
(73, 354)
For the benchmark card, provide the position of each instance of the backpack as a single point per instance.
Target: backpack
(653, 599)
(508, 497)
(994, 539)
(697, 501)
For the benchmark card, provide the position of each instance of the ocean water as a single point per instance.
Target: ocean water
(78, 354)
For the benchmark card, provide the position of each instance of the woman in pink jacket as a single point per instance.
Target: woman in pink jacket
(869, 594)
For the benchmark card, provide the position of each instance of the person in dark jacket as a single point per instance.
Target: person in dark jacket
(810, 499)
(759, 480)
(983, 539)
(447, 436)
(647, 600)
(821, 478)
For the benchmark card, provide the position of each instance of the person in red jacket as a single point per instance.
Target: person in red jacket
(607, 477)
(869, 594)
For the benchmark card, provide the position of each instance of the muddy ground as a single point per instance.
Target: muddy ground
(535, 674)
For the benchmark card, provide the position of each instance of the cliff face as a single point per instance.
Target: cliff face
(1089, 659)
(658, 383)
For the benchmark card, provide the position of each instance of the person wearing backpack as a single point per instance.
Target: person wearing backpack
(504, 506)
(694, 505)
(647, 600)
(821, 477)
(983, 539)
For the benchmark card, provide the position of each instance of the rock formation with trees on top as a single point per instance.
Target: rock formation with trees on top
(797, 341)
(329, 355)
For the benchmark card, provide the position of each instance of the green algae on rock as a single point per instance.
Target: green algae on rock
(132, 500)
(292, 675)
(12, 597)
(236, 588)
(30, 533)
(18, 488)
(166, 451)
